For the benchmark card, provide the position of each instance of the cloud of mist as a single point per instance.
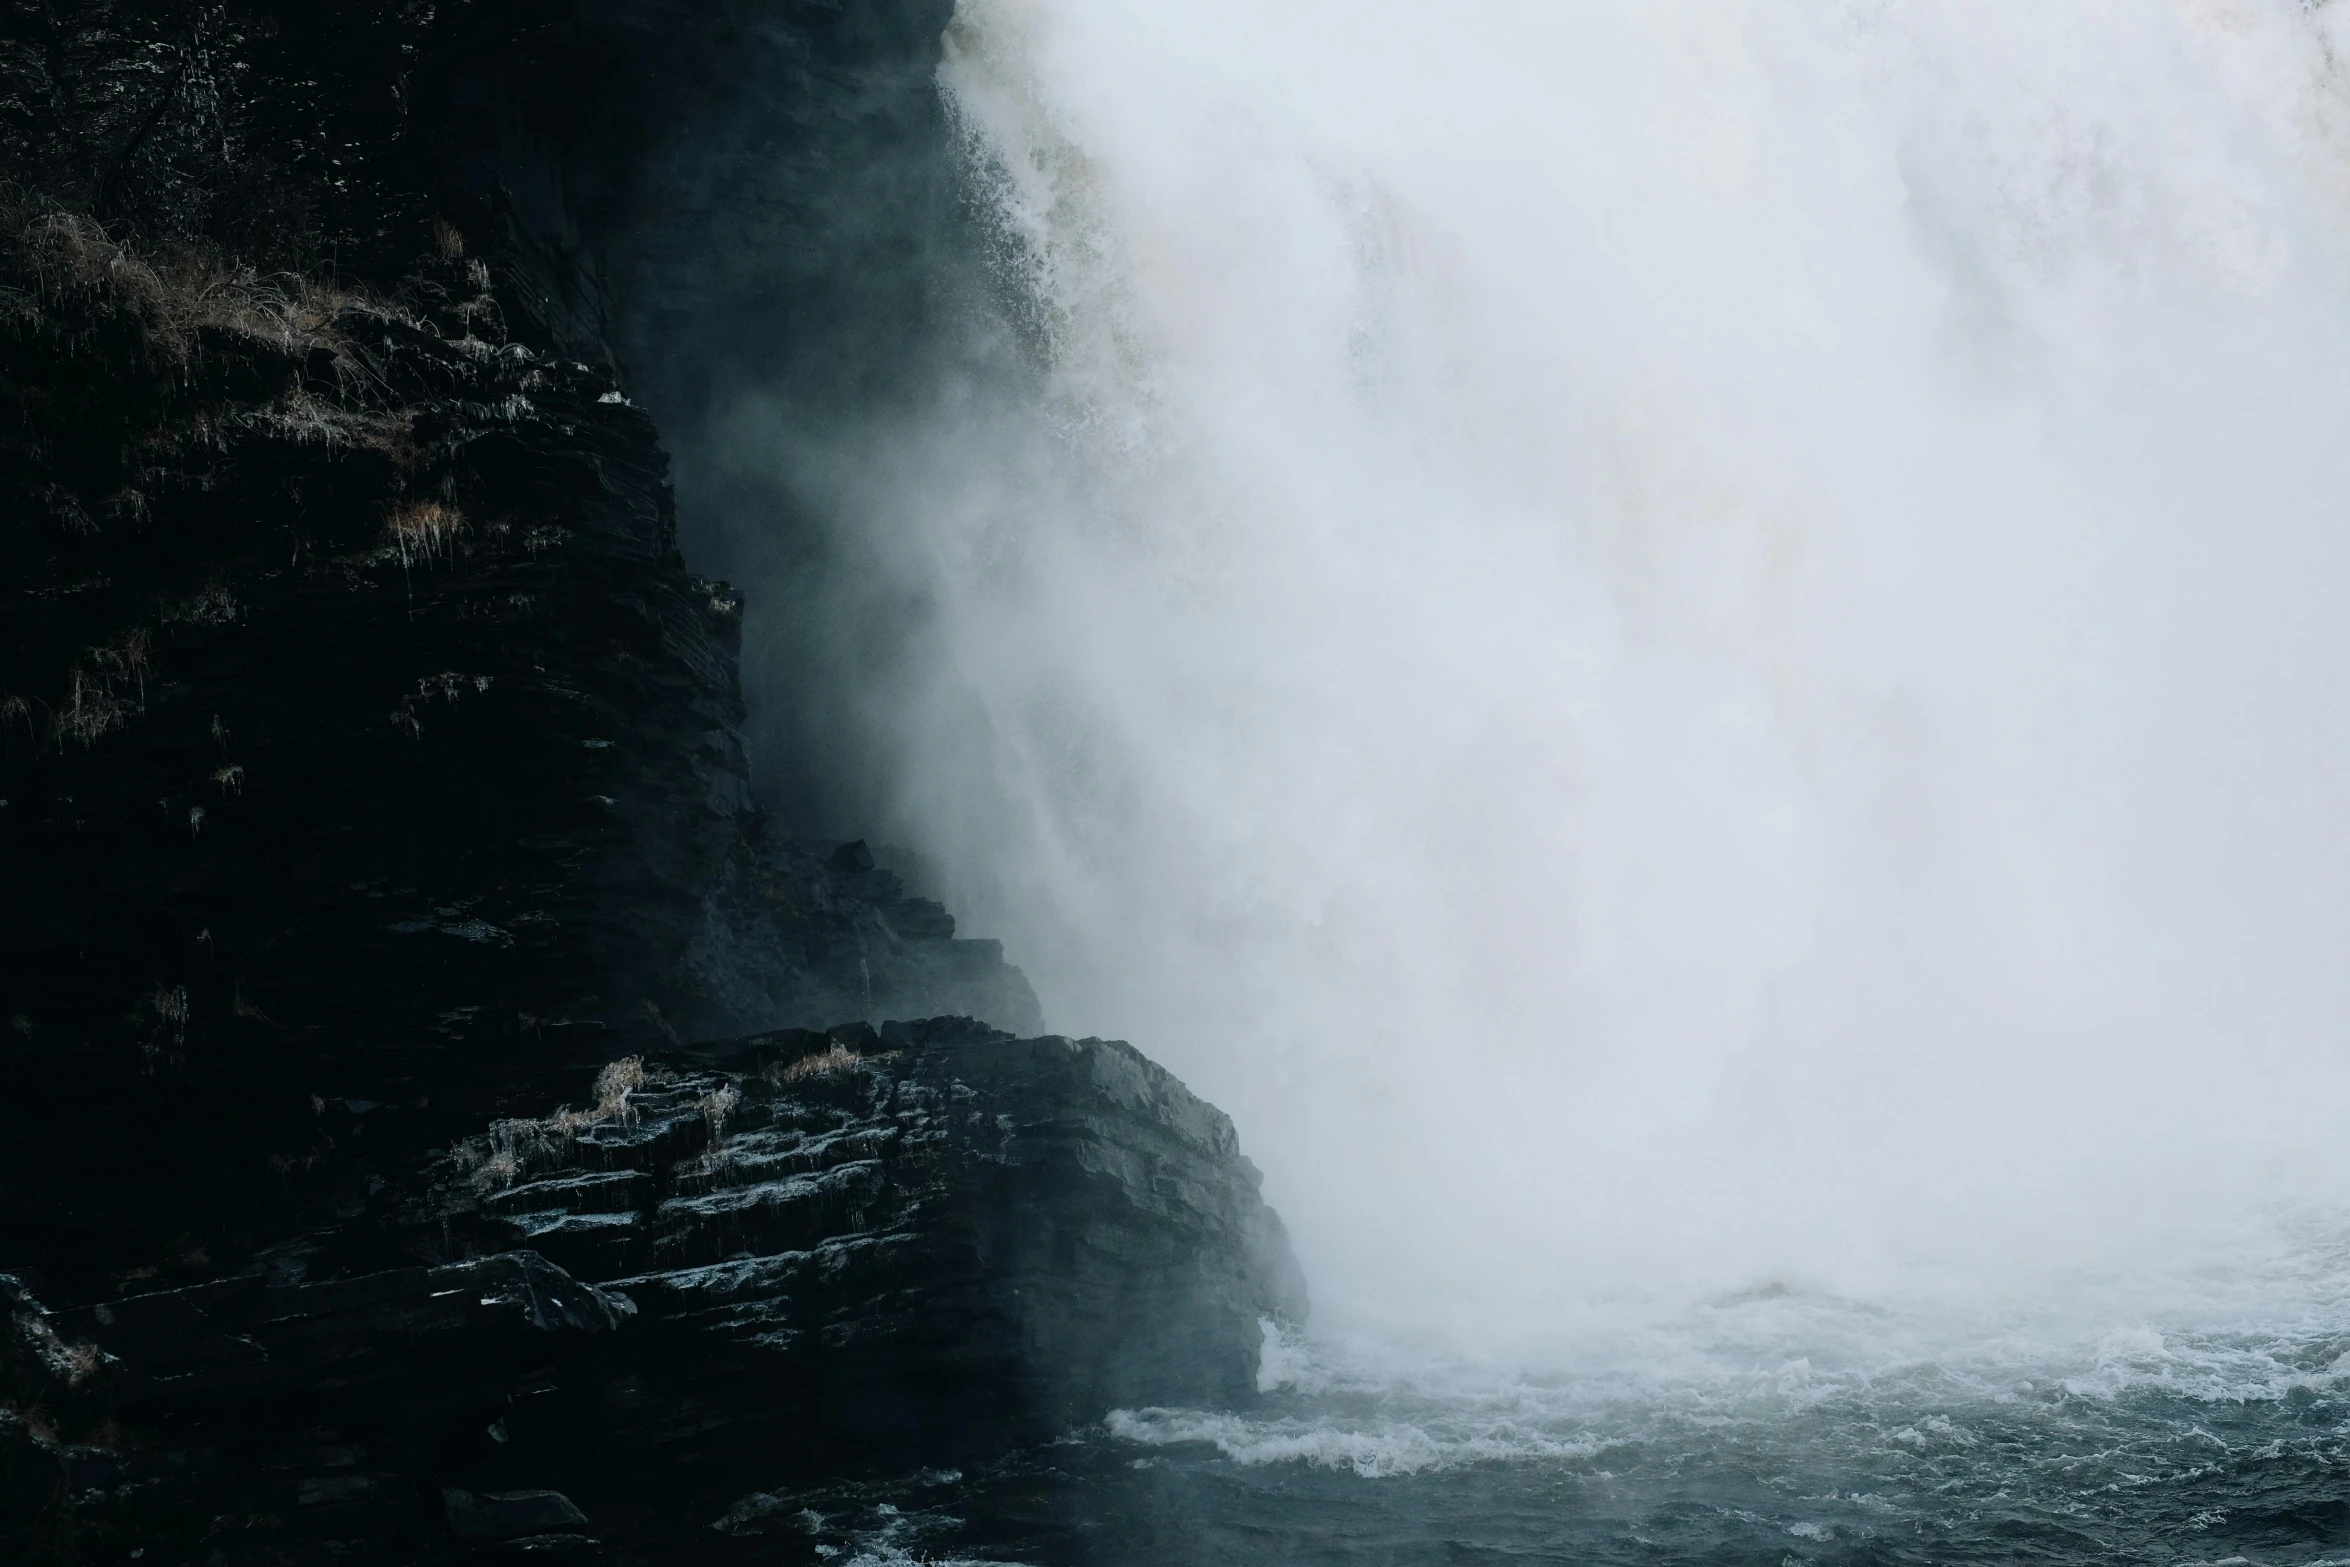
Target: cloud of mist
(1670, 646)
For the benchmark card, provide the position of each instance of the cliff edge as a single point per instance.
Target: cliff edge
(382, 855)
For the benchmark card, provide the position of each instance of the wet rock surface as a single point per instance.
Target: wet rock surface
(752, 1266)
(372, 786)
(951, 1237)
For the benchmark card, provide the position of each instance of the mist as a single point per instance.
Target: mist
(1674, 648)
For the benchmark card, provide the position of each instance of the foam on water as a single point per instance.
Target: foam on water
(1912, 1374)
(2199, 1414)
(1388, 1448)
(2199, 1417)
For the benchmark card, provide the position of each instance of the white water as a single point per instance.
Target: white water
(1901, 1368)
(1672, 644)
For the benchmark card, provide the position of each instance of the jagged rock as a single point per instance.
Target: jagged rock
(363, 740)
(748, 1265)
(794, 937)
(884, 1223)
(511, 1515)
(323, 1409)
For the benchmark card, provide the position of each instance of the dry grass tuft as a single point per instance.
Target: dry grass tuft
(91, 711)
(425, 530)
(95, 701)
(70, 259)
(617, 1081)
(308, 419)
(512, 1147)
(128, 659)
(214, 605)
(827, 1063)
(718, 1107)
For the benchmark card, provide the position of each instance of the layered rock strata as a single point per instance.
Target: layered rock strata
(737, 1270)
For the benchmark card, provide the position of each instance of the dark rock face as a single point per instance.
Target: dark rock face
(891, 1224)
(793, 933)
(381, 732)
(752, 1265)
(372, 783)
(325, 1407)
(788, 264)
(379, 750)
(363, 737)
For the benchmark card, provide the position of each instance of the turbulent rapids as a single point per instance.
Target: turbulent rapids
(1770, 1427)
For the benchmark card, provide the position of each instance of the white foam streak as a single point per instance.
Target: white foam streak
(1669, 644)
(1919, 1370)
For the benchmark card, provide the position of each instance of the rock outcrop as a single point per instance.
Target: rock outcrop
(372, 784)
(891, 1225)
(376, 746)
(754, 1265)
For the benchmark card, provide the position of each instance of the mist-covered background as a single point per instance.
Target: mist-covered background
(1675, 648)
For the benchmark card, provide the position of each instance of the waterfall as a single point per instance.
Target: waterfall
(1674, 646)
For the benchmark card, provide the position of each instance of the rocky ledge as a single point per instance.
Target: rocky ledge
(733, 1271)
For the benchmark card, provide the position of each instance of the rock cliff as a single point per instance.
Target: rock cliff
(372, 788)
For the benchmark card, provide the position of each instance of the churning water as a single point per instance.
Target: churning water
(1772, 1427)
(1694, 654)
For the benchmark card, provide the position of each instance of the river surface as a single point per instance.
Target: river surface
(2204, 1419)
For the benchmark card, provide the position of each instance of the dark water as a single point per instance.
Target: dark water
(2084, 1431)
